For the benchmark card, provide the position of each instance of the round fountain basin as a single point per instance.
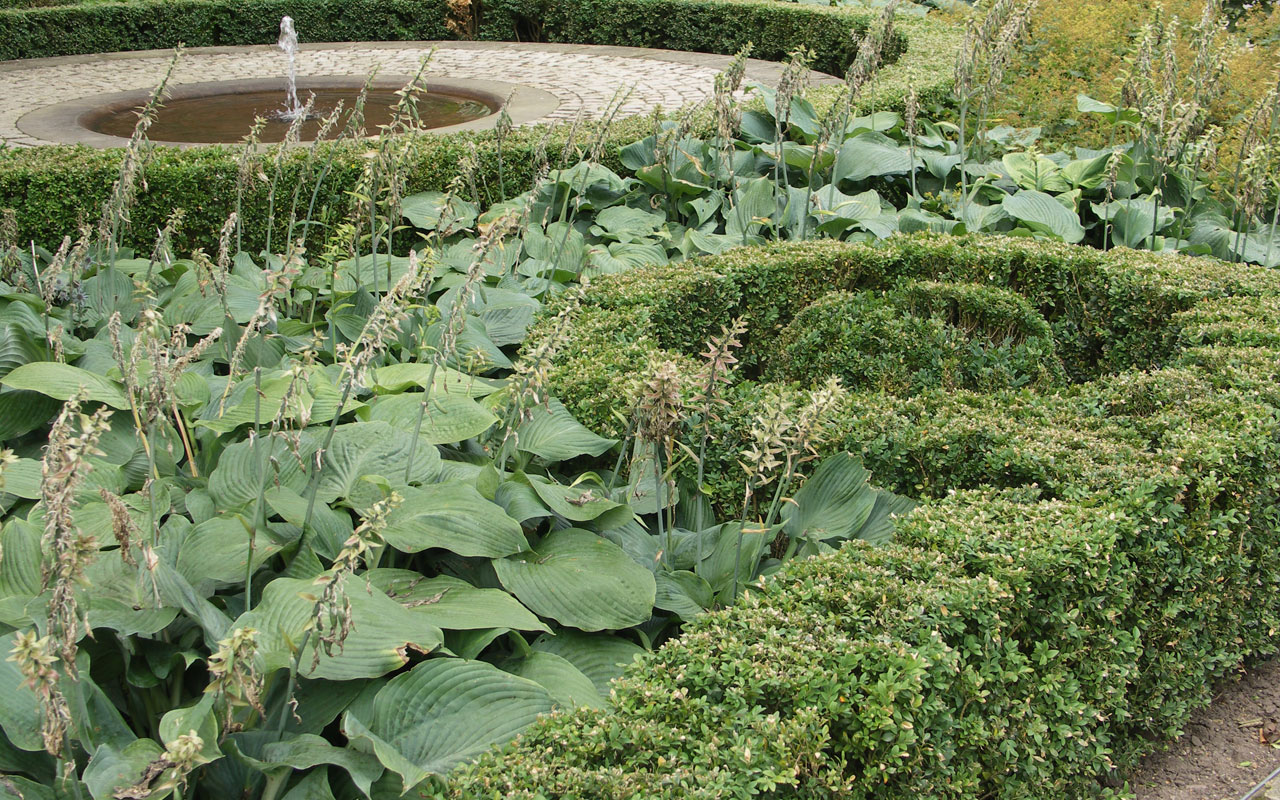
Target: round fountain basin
(223, 112)
(228, 116)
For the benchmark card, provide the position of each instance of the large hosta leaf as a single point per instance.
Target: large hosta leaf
(1134, 220)
(370, 272)
(363, 449)
(580, 503)
(737, 551)
(566, 684)
(21, 478)
(317, 396)
(63, 381)
(581, 580)
(623, 256)
(870, 155)
(1041, 213)
(22, 412)
(247, 467)
(431, 211)
(111, 769)
(218, 550)
(19, 707)
(683, 593)
(626, 224)
(382, 631)
(444, 712)
(600, 656)
(1034, 171)
(555, 435)
(123, 599)
(453, 604)
(448, 417)
(837, 504)
(17, 347)
(399, 377)
(454, 517)
(306, 750)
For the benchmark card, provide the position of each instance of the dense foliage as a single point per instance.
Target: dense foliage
(421, 454)
(53, 190)
(1092, 558)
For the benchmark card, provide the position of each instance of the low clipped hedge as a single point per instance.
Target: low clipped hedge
(1087, 560)
(924, 335)
(55, 189)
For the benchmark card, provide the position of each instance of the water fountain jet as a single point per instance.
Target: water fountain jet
(288, 42)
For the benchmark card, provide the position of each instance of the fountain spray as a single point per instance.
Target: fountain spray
(288, 42)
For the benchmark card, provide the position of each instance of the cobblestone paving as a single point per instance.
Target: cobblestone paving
(585, 79)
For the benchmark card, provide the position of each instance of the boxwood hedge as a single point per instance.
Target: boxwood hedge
(1089, 557)
(54, 189)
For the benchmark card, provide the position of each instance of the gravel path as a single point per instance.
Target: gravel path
(1227, 748)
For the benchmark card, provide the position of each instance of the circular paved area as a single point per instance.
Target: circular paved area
(584, 79)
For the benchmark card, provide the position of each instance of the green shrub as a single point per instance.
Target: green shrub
(1090, 560)
(925, 335)
(146, 25)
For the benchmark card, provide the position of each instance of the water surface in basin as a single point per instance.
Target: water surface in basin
(228, 117)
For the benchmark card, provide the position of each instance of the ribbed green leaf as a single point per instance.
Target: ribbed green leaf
(444, 712)
(18, 347)
(307, 750)
(19, 707)
(62, 381)
(20, 564)
(110, 770)
(22, 412)
(448, 418)
(581, 580)
(454, 517)
(600, 656)
(453, 604)
(683, 593)
(122, 598)
(581, 503)
(382, 631)
(218, 550)
(1042, 213)
(21, 479)
(555, 435)
(399, 377)
(869, 155)
(566, 684)
(362, 449)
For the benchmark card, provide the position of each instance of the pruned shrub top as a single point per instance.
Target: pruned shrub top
(923, 335)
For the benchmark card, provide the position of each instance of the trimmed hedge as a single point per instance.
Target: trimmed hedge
(924, 335)
(1086, 562)
(146, 25)
(54, 189)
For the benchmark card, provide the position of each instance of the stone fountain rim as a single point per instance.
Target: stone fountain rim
(66, 122)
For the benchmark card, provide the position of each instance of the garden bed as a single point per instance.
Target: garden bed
(1090, 557)
(56, 189)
